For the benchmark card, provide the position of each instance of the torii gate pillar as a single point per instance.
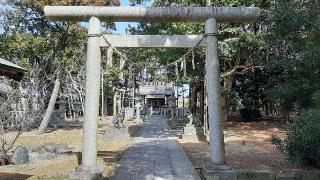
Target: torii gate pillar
(217, 152)
(89, 168)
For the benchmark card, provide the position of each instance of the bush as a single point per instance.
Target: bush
(280, 143)
(250, 114)
(303, 142)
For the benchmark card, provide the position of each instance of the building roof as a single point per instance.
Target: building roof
(11, 70)
(155, 89)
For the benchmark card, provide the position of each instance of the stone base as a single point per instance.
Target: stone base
(87, 173)
(113, 132)
(139, 121)
(222, 172)
(189, 130)
(190, 138)
(192, 133)
(298, 175)
(255, 175)
(219, 172)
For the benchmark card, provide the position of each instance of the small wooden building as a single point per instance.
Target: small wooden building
(11, 70)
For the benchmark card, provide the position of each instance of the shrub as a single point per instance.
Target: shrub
(303, 142)
(250, 114)
(280, 143)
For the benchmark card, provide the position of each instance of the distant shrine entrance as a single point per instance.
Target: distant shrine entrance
(96, 40)
(155, 95)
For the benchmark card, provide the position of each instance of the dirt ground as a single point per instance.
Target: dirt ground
(248, 146)
(109, 153)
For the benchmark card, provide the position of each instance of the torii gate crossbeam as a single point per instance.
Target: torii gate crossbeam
(147, 14)
(152, 41)
(211, 15)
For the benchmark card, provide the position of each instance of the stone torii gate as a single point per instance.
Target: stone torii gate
(209, 15)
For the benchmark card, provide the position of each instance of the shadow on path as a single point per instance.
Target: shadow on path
(14, 176)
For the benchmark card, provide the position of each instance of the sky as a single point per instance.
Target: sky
(121, 26)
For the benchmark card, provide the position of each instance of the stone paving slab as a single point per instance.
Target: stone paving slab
(156, 155)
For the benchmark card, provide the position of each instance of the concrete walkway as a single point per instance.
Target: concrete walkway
(156, 155)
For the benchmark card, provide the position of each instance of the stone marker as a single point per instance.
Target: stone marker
(20, 156)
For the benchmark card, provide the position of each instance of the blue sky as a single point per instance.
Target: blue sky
(121, 26)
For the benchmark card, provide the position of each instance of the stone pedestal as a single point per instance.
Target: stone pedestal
(87, 173)
(221, 172)
(129, 113)
(138, 106)
(138, 121)
(113, 132)
(191, 132)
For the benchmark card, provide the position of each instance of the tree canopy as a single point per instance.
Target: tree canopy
(271, 62)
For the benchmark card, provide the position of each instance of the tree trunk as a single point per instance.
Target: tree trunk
(225, 109)
(201, 100)
(45, 121)
(205, 107)
(225, 98)
(78, 90)
(195, 88)
(192, 97)
(1, 128)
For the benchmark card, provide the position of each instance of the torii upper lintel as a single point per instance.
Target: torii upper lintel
(147, 14)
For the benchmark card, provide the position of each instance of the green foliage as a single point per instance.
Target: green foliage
(251, 88)
(275, 58)
(316, 99)
(46, 48)
(280, 143)
(24, 48)
(294, 54)
(303, 142)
